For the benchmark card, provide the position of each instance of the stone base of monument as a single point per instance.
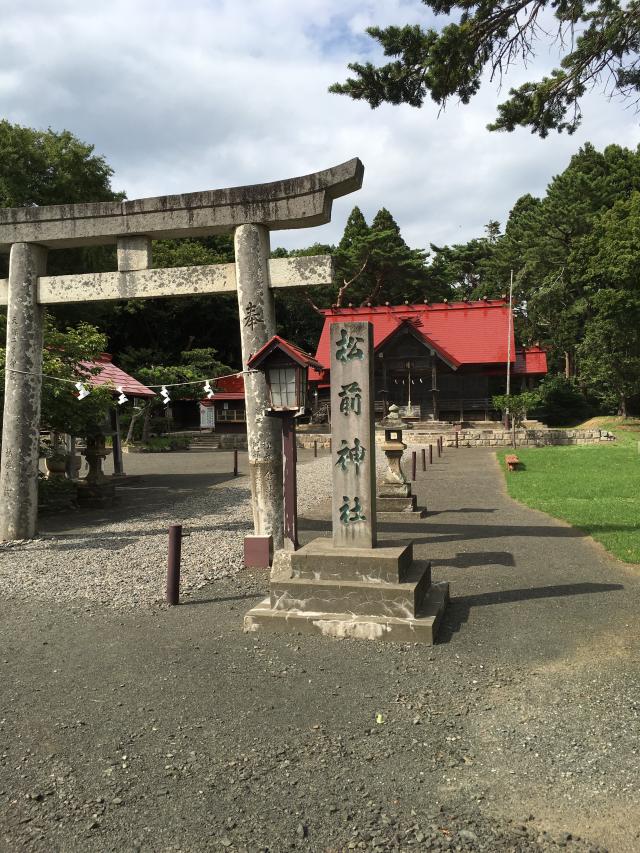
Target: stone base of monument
(401, 508)
(364, 593)
(396, 501)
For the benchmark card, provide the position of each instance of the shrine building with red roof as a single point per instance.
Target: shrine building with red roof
(438, 361)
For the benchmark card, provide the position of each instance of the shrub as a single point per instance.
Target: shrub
(562, 402)
(56, 493)
(166, 444)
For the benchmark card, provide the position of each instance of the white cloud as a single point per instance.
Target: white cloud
(214, 93)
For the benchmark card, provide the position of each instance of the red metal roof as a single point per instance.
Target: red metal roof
(226, 388)
(294, 352)
(229, 383)
(461, 332)
(109, 373)
(530, 360)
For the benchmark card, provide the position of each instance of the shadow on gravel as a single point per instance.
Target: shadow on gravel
(457, 612)
(460, 532)
(246, 597)
(462, 509)
(471, 559)
(457, 532)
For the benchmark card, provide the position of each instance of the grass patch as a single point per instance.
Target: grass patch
(595, 488)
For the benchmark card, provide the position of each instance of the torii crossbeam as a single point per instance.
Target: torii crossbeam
(248, 212)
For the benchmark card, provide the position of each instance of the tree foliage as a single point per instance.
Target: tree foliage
(63, 354)
(600, 41)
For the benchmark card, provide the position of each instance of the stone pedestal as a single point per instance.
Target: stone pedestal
(394, 493)
(363, 593)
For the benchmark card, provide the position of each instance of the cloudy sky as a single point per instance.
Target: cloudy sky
(213, 93)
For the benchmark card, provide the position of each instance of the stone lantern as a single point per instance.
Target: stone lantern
(394, 492)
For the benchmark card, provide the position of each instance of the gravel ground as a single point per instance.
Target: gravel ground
(121, 563)
(150, 729)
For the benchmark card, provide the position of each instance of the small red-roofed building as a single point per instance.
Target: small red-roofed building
(110, 373)
(441, 361)
(225, 412)
(105, 372)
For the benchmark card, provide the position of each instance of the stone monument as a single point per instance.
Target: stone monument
(351, 585)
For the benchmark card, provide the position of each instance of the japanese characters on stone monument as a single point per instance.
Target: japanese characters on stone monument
(353, 435)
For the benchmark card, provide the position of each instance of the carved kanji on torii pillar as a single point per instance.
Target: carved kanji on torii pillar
(249, 212)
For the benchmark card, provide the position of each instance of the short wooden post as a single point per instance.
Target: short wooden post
(414, 456)
(457, 445)
(173, 564)
(424, 459)
(235, 461)
(315, 449)
(431, 454)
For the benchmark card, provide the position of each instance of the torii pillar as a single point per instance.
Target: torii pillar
(264, 434)
(249, 213)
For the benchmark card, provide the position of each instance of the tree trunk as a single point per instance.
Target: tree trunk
(134, 418)
(622, 406)
(569, 365)
(146, 424)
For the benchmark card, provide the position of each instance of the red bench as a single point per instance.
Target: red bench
(512, 461)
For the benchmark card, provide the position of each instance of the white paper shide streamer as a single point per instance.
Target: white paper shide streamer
(165, 395)
(122, 398)
(83, 391)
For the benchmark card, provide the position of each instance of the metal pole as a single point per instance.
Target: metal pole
(424, 459)
(173, 567)
(413, 464)
(509, 326)
(431, 454)
(235, 462)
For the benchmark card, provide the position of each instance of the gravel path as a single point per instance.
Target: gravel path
(121, 563)
(153, 730)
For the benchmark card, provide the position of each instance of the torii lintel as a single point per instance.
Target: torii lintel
(300, 202)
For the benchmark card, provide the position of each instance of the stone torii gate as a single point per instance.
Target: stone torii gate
(249, 212)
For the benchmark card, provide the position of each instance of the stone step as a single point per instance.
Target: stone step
(422, 629)
(389, 562)
(399, 600)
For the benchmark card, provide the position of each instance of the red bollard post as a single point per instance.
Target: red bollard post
(414, 456)
(424, 459)
(456, 439)
(173, 566)
(235, 462)
(431, 454)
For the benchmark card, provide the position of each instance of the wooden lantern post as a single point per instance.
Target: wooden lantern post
(285, 368)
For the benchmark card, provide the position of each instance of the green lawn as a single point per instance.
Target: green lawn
(594, 488)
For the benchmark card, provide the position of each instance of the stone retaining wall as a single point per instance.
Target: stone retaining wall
(483, 437)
